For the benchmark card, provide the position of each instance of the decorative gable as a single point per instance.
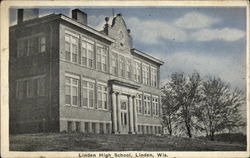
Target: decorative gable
(118, 31)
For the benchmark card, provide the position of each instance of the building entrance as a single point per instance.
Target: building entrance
(124, 116)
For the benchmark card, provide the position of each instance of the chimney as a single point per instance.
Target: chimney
(79, 16)
(26, 14)
(19, 16)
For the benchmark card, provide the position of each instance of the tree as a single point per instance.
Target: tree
(233, 118)
(169, 108)
(219, 107)
(183, 97)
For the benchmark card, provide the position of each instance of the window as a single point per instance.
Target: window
(108, 128)
(86, 127)
(147, 105)
(137, 72)
(124, 118)
(147, 129)
(70, 126)
(88, 87)
(41, 86)
(19, 89)
(114, 63)
(78, 127)
(102, 96)
(155, 105)
(121, 66)
(143, 129)
(153, 77)
(145, 74)
(71, 91)
(139, 103)
(101, 128)
(93, 128)
(71, 47)
(88, 53)
(31, 45)
(42, 44)
(128, 69)
(159, 129)
(30, 87)
(102, 58)
(22, 48)
(156, 131)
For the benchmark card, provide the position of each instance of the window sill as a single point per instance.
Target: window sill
(105, 110)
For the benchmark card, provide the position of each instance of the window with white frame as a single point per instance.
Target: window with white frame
(87, 53)
(128, 69)
(154, 77)
(71, 90)
(139, 103)
(31, 45)
(102, 58)
(137, 71)
(114, 63)
(41, 86)
(145, 74)
(30, 87)
(121, 66)
(88, 95)
(71, 47)
(147, 104)
(102, 96)
(155, 105)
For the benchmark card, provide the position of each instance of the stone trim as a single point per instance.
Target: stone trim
(84, 120)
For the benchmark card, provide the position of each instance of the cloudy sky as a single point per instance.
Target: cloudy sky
(210, 40)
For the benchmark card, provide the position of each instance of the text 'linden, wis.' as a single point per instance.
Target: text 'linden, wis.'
(113, 155)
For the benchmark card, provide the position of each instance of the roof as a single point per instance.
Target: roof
(85, 27)
(149, 57)
(53, 16)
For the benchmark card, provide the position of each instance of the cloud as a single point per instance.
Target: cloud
(156, 31)
(228, 68)
(226, 34)
(195, 20)
(153, 31)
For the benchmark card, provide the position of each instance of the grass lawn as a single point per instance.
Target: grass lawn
(105, 142)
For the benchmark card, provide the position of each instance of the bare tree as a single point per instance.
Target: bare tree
(169, 107)
(233, 118)
(219, 107)
(183, 97)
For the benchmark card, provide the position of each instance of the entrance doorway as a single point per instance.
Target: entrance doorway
(124, 116)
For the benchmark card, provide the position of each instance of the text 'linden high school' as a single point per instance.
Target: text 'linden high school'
(67, 76)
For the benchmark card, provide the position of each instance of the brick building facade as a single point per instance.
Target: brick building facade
(67, 76)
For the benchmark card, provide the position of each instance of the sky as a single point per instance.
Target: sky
(209, 40)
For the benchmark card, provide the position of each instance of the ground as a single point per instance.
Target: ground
(108, 142)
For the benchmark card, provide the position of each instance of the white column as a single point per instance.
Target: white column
(118, 103)
(131, 118)
(114, 120)
(135, 115)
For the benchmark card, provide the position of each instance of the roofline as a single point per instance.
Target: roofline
(136, 51)
(52, 15)
(70, 20)
(85, 27)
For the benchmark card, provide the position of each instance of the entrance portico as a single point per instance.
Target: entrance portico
(124, 117)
